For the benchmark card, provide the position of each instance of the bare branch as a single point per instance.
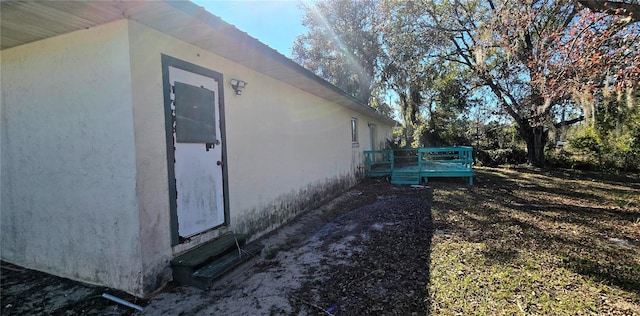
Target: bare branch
(631, 10)
(569, 122)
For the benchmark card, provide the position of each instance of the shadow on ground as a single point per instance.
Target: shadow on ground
(366, 252)
(383, 267)
(590, 220)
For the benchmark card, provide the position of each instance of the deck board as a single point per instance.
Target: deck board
(428, 162)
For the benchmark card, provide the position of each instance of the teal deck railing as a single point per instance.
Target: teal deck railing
(413, 165)
(378, 163)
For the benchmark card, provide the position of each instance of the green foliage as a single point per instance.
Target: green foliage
(610, 138)
(442, 131)
(342, 45)
(531, 56)
(585, 140)
(377, 102)
(539, 63)
(501, 156)
(499, 136)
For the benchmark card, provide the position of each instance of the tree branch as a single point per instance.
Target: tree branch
(569, 122)
(631, 10)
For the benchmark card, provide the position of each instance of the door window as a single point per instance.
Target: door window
(195, 114)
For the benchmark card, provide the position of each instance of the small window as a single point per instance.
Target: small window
(354, 130)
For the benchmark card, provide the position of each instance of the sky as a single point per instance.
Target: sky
(275, 23)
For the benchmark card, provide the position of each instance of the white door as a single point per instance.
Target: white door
(198, 152)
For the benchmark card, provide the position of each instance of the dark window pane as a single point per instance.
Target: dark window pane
(354, 130)
(195, 114)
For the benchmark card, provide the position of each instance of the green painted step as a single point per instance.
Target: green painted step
(200, 266)
(207, 274)
(209, 250)
(405, 177)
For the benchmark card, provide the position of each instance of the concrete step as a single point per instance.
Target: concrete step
(201, 266)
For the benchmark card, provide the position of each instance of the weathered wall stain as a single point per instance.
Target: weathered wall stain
(261, 220)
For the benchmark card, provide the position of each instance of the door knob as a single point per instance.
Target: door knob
(219, 163)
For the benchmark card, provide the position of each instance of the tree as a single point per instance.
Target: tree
(611, 133)
(432, 92)
(404, 70)
(534, 55)
(342, 45)
(446, 109)
(546, 64)
(611, 108)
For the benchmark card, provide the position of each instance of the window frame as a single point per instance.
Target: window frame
(354, 131)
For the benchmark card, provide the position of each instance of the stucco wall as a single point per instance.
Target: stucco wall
(83, 154)
(286, 148)
(68, 167)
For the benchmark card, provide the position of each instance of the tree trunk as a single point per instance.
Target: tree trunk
(536, 138)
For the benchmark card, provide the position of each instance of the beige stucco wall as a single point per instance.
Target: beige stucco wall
(68, 167)
(285, 147)
(83, 154)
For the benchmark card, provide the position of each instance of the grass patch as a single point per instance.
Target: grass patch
(527, 241)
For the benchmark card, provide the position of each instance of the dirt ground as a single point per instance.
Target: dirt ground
(364, 252)
(28, 292)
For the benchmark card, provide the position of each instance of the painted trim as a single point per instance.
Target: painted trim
(168, 61)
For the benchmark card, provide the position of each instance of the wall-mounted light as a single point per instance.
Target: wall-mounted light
(238, 85)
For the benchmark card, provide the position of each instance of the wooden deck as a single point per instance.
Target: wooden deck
(416, 165)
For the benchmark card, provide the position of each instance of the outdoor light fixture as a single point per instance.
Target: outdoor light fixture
(238, 85)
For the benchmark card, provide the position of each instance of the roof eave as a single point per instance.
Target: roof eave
(191, 23)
